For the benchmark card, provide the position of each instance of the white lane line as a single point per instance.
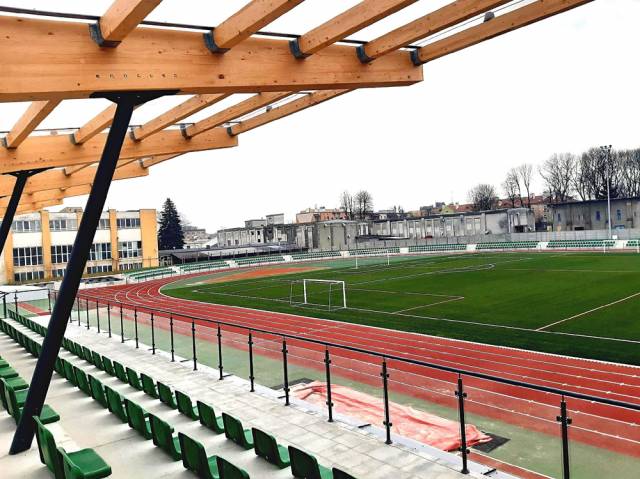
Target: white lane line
(588, 312)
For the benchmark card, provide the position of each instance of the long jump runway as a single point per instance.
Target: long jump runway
(600, 425)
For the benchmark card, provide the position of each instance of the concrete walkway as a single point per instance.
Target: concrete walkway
(86, 424)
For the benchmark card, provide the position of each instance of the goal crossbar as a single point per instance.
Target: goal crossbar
(340, 284)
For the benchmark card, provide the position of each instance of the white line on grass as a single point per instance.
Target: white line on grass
(429, 305)
(589, 312)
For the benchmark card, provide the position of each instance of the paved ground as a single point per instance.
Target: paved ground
(85, 424)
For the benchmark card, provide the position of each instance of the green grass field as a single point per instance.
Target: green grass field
(580, 304)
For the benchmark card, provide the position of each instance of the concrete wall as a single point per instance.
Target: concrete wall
(592, 215)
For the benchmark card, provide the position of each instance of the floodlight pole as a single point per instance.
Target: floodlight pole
(126, 102)
(606, 150)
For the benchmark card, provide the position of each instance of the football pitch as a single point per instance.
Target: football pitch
(581, 304)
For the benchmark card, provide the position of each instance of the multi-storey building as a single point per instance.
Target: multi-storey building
(39, 245)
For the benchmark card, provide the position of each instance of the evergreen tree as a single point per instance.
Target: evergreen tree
(170, 234)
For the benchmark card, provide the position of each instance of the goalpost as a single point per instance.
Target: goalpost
(384, 256)
(315, 298)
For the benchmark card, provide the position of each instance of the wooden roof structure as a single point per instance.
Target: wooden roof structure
(48, 58)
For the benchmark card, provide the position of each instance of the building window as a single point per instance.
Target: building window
(28, 276)
(130, 266)
(128, 223)
(100, 251)
(27, 256)
(103, 268)
(59, 272)
(63, 225)
(130, 249)
(619, 215)
(598, 216)
(103, 224)
(26, 226)
(559, 218)
(60, 253)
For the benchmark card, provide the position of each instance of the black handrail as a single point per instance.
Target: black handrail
(325, 344)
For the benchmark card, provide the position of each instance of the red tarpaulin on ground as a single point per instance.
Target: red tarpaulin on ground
(408, 422)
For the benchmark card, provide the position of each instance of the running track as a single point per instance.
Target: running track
(605, 426)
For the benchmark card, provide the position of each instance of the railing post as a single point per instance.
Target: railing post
(87, 310)
(98, 315)
(327, 362)
(220, 352)
(464, 450)
(78, 309)
(4, 305)
(173, 357)
(135, 324)
(286, 371)
(121, 325)
(109, 318)
(193, 345)
(251, 376)
(153, 336)
(385, 389)
(15, 302)
(565, 422)
(49, 298)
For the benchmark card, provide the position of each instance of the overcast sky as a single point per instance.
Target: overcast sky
(564, 84)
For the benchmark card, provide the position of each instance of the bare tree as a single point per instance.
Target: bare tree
(629, 164)
(511, 187)
(483, 197)
(525, 173)
(558, 173)
(363, 204)
(596, 173)
(347, 204)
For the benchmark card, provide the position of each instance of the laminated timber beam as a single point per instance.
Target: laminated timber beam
(247, 21)
(55, 179)
(121, 19)
(338, 28)
(31, 207)
(154, 160)
(287, 109)
(430, 24)
(176, 114)
(521, 17)
(57, 151)
(36, 112)
(49, 195)
(161, 59)
(239, 109)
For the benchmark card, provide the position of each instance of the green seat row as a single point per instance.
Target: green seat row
(188, 268)
(374, 251)
(437, 247)
(316, 255)
(259, 259)
(507, 245)
(581, 243)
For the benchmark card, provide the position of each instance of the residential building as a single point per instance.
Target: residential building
(592, 214)
(39, 244)
(315, 215)
(195, 238)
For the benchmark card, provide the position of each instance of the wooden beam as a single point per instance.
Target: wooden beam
(55, 179)
(48, 195)
(162, 59)
(247, 106)
(247, 21)
(57, 151)
(338, 28)
(120, 20)
(430, 24)
(507, 22)
(76, 169)
(31, 207)
(285, 110)
(180, 112)
(37, 111)
(154, 160)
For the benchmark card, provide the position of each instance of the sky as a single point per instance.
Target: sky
(562, 85)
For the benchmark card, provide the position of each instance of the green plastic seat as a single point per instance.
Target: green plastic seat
(115, 404)
(107, 366)
(134, 379)
(340, 474)
(3, 364)
(58, 366)
(226, 470)
(266, 446)
(305, 466)
(16, 383)
(87, 354)
(21, 394)
(8, 372)
(138, 418)
(166, 395)
(97, 360)
(69, 372)
(233, 430)
(87, 465)
(186, 407)
(82, 381)
(121, 374)
(97, 391)
(194, 458)
(149, 386)
(47, 415)
(162, 435)
(209, 419)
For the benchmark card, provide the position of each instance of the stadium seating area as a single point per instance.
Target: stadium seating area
(634, 243)
(87, 463)
(259, 259)
(437, 247)
(581, 244)
(317, 255)
(150, 274)
(206, 266)
(507, 245)
(374, 251)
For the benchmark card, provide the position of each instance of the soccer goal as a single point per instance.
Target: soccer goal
(372, 259)
(325, 293)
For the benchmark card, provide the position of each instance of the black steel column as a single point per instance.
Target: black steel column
(7, 220)
(464, 450)
(565, 422)
(79, 254)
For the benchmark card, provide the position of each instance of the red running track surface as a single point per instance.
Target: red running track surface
(597, 424)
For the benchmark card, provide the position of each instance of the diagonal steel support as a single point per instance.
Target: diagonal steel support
(41, 379)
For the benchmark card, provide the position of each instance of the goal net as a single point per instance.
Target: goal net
(364, 259)
(323, 293)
